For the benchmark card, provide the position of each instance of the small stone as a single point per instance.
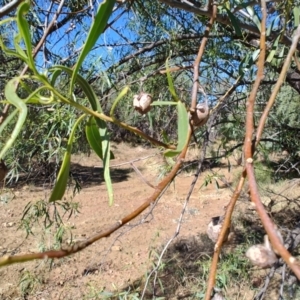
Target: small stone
(116, 248)
(266, 201)
(8, 224)
(218, 296)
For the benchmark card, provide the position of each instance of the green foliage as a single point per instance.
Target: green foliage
(38, 148)
(36, 97)
(104, 12)
(51, 105)
(64, 86)
(47, 214)
(63, 175)
(28, 282)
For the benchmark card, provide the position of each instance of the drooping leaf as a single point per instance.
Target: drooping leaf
(119, 97)
(106, 158)
(25, 32)
(183, 127)
(21, 108)
(274, 49)
(94, 138)
(98, 140)
(7, 50)
(19, 49)
(255, 55)
(170, 82)
(64, 171)
(235, 23)
(101, 18)
(163, 103)
(296, 13)
(254, 16)
(102, 128)
(86, 88)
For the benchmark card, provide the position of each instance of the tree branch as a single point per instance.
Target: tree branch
(9, 7)
(225, 20)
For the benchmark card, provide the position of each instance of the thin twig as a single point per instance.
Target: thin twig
(282, 282)
(129, 162)
(221, 238)
(180, 220)
(278, 84)
(249, 150)
(141, 175)
(262, 292)
(5, 10)
(199, 57)
(220, 18)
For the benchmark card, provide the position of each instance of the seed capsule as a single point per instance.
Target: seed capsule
(142, 103)
(201, 115)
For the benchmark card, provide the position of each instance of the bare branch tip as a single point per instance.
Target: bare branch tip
(249, 160)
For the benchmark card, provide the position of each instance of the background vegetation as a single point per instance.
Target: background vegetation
(143, 45)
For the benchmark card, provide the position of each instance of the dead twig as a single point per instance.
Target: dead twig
(141, 175)
(129, 162)
(180, 220)
(5, 10)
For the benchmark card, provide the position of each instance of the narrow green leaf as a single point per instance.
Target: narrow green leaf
(254, 17)
(255, 55)
(102, 128)
(163, 103)
(87, 89)
(170, 82)
(106, 158)
(6, 49)
(93, 136)
(18, 48)
(271, 26)
(63, 175)
(101, 18)
(12, 98)
(120, 96)
(98, 140)
(296, 13)
(57, 71)
(274, 49)
(235, 23)
(183, 127)
(25, 32)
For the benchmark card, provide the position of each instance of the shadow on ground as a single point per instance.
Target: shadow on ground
(184, 269)
(82, 175)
